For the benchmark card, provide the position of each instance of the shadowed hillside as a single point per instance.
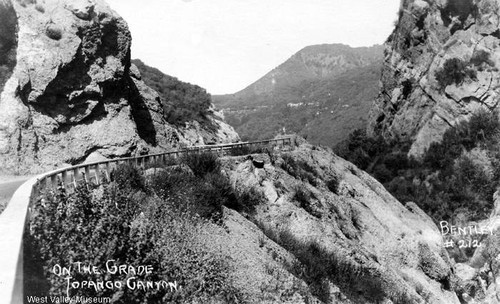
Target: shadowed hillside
(181, 101)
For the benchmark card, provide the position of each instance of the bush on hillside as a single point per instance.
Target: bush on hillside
(454, 71)
(299, 169)
(182, 102)
(361, 149)
(443, 182)
(481, 58)
(319, 268)
(302, 196)
(246, 200)
(39, 7)
(211, 193)
(333, 184)
(205, 191)
(128, 178)
(482, 127)
(8, 41)
(460, 9)
(67, 229)
(166, 183)
(94, 226)
(201, 163)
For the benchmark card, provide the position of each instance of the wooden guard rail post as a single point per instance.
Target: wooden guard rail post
(14, 221)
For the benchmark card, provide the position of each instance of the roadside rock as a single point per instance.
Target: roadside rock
(394, 252)
(72, 92)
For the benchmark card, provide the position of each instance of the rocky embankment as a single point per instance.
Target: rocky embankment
(441, 65)
(319, 208)
(73, 92)
(480, 276)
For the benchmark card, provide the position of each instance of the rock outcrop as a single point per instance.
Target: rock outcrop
(73, 92)
(378, 250)
(481, 275)
(441, 65)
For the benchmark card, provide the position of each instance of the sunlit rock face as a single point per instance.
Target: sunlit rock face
(71, 93)
(423, 92)
(380, 251)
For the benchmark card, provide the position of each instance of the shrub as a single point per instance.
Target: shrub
(54, 31)
(204, 195)
(166, 183)
(211, 193)
(201, 163)
(443, 183)
(302, 195)
(8, 41)
(382, 174)
(481, 57)
(333, 184)
(94, 226)
(202, 272)
(299, 169)
(454, 71)
(39, 7)
(128, 177)
(246, 200)
(458, 8)
(318, 266)
(360, 149)
(484, 125)
(398, 160)
(67, 229)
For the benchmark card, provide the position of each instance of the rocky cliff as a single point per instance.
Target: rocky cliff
(441, 64)
(73, 92)
(328, 228)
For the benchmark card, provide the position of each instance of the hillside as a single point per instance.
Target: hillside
(290, 225)
(181, 101)
(320, 93)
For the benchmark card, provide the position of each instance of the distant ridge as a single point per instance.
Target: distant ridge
(330, 80)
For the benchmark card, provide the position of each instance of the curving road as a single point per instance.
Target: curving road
(7, 188)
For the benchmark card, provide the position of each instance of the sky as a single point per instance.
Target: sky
(225, 45)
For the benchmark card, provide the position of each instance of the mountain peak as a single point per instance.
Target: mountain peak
(322, 92)
(322, 61)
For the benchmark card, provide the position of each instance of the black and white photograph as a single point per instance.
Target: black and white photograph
(250, 151)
